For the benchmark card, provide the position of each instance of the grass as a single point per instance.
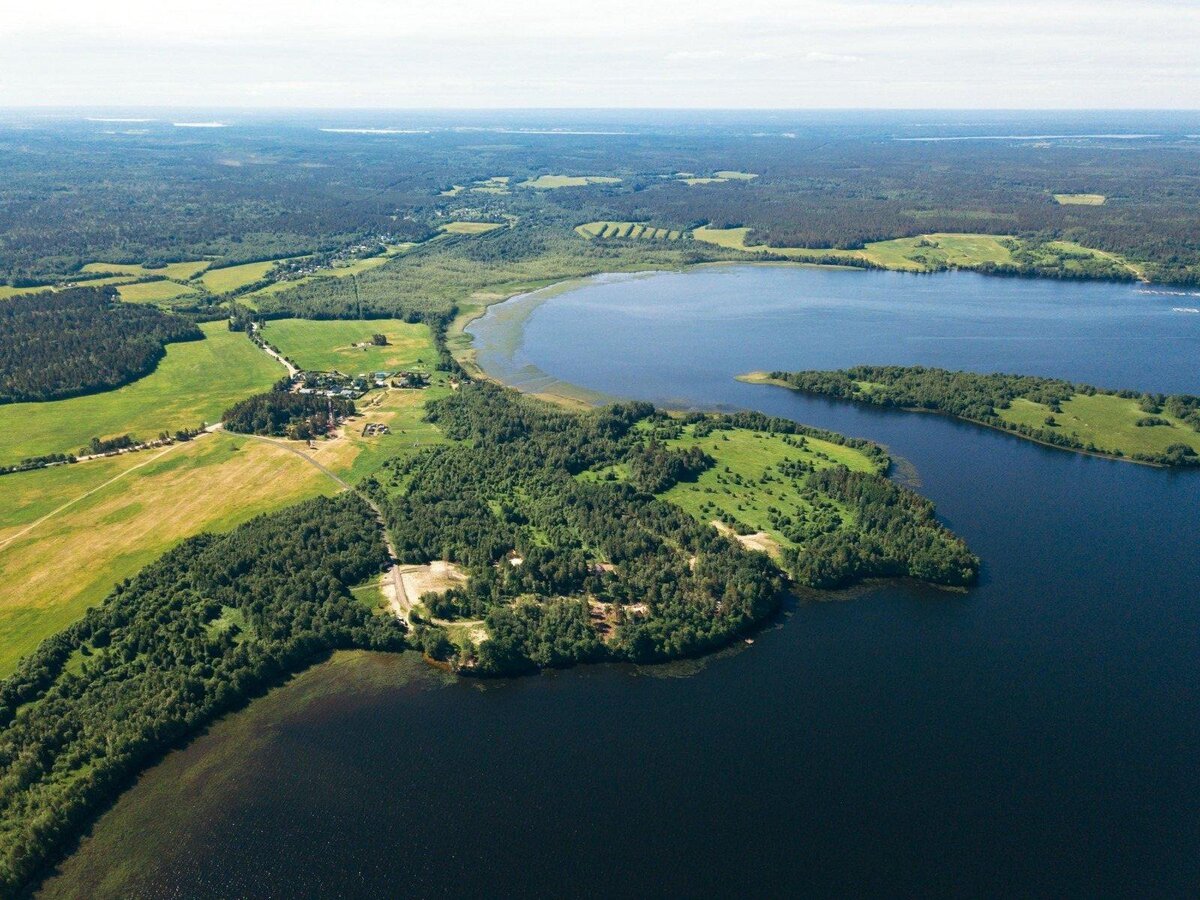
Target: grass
(745, 484)
(196, 381)
(324, 346)
(74, 558)
(637, 230)
(1080, 199)
(154, 292)
(222, 281)
(928, 252)
(471, 227)
(733, 175)
(550, 182)
(1108, 422)
(179, 271)
(716, 178)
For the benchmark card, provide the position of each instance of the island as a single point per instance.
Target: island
(1156, 429)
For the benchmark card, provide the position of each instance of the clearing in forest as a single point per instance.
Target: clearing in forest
(550, 182)
(345, 345)
(1080, 199)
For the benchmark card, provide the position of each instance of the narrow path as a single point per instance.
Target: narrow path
(292, 370)
(400, 603)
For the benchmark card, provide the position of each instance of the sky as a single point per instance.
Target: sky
(964, 54)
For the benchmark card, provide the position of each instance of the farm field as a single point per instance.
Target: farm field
(471, 227)
(1107, 421)
(177, 271)
(636, 230)
(1080, 199)
(721, 177)
(735, 239)
(74, 558)
(222, 281)
(196, 381)
(154, 291)
(550, 182)
(327, 345)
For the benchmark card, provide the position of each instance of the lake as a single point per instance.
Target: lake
(1036, 735)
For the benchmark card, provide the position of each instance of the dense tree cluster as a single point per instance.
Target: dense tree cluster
(80, 341)
(564, 569)
(212, 623)
(978, 397)
(284, 414)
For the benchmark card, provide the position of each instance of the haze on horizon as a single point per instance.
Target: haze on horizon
(1004, 54)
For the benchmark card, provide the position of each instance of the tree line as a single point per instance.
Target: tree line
(80, 341)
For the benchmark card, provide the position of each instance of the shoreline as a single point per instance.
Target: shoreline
(764, 378)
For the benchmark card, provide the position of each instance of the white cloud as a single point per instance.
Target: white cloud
(479, 53)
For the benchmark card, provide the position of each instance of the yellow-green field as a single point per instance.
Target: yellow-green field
(636, 230)
(550, 182)
(179, 271)
(720, 177)
(154, 292)
(1108, 422)
(471, 227)
(925, 252)
(1080, 199)
(196, 381)
(222, 281)
(68, 534)
(734, 490)
(324, 346)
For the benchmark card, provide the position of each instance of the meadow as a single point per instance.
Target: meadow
(327, 345)
(1080, 199)
(154, 291)
(1107, 421)
(195, 382)
(550, 182)
(471, 227)
(746, 483)
(101, 521)
(222, 281)
(177, 271)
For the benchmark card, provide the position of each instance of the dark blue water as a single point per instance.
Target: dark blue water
(1037, 736)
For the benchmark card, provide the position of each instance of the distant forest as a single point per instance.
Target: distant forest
(261, 192)
(80, 341)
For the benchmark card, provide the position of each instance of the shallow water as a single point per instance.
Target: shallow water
(1037, 735)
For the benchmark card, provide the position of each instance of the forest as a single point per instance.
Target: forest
(829, 182)
(660, 583)
(283, 414)
(214, 622)
(80, 341)
(988, 399)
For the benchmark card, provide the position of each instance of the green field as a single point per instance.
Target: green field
(550, 182)
(196, 381)
(179, 271)
(222, 281)
(324, 346)
(1080, 199)
(636, 230)
(68, 534)
(746, 482)
(934, 250)
(720, 177)
(154, 292)
(471, 227)
(1107, 421)
(735, 239)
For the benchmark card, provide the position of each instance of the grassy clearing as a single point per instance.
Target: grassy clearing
(327, 345)
(550, 182)
(471, 227)
(195, 382)
(1080, 199)
(720, 177)
(636, 230)
(735, 239)
(222, 281)
(1107, 421)
(930, 252)
(74, 558)
(179, 271)
(746, 482)
(154, 292)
